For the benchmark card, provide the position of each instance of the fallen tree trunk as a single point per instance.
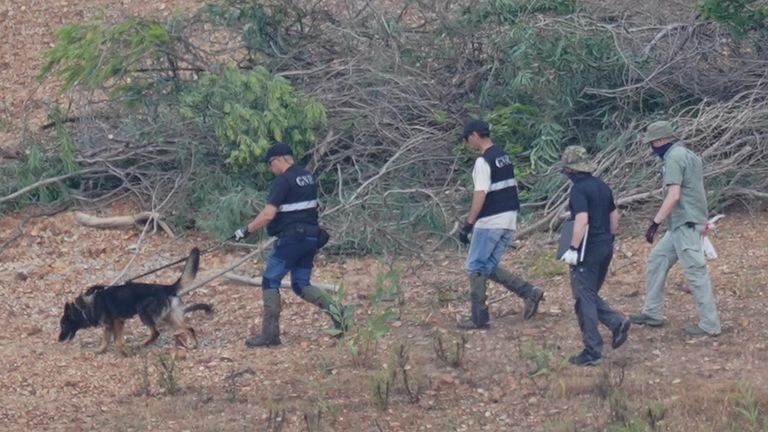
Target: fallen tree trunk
(139, 220)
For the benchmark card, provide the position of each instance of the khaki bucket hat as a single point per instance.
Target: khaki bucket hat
(577, 159)
(658, 130)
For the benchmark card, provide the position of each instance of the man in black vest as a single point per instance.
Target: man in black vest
(492, 222)
(596, 222)
(291, 216)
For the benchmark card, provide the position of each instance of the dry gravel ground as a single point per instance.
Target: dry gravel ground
(48, 385)
(225, 387)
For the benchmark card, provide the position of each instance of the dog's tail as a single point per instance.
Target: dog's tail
(199, 306)
(190, 270)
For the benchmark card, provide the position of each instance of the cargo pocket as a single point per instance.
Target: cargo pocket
(691, 253)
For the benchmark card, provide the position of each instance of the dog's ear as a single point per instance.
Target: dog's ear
(67, 307)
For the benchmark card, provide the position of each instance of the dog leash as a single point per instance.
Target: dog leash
(181, 260)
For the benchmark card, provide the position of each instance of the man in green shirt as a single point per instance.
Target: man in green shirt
(685, 210)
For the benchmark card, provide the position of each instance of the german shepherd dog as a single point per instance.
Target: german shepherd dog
(111, 306)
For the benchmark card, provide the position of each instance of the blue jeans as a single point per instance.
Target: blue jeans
(294, 255)
(486, 249)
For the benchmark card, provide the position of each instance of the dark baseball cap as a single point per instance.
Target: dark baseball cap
(476, 125)
(277, 149)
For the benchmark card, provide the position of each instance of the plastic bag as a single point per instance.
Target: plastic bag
(706, 244)
(709, 249)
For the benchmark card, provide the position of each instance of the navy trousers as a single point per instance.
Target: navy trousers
(294, 255)
(586, 279)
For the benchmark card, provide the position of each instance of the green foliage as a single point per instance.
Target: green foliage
(510, 11)
(513, 126)
(260, 26)
(219, 202)
(66, 151)
(249, 110)
(344, 315)
(534, 96)
(741, 16)
(93, 55)
(38, 166)
(550, 71)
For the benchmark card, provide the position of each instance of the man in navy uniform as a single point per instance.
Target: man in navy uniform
(491, 224)
(595, 216)
(291, 215)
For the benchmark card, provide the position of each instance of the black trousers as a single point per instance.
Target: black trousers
(586, 280)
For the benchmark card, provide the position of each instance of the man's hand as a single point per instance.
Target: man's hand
(240, 233)
(464, 234)
(571, 257)
(650, 233)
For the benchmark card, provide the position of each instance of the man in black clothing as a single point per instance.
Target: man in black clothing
(596, 221)
(291, 216)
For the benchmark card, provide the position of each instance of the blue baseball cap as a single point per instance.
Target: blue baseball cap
(277, 149)
(476, 125)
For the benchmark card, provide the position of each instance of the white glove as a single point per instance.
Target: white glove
(571, 257)
(240, 233)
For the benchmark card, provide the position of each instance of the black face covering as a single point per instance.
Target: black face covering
(576, 175)
(661, 151)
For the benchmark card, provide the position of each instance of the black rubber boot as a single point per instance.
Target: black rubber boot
(532, 295)
(479, 310)
(270, 323)
(322, 299)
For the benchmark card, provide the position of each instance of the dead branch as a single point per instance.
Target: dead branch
(42, 183)
(140, 219)
(256, 281)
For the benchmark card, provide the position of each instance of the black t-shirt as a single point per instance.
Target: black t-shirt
(591, 195)
(294, 193)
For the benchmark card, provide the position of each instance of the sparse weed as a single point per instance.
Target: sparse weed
(544, 265)
(276, 420)
(231, 386)
(362, 339)
(655, 413)
(609, 388)
(540, 358)
(451, 352)
(143, 388)
(444, 295)
(381, 387)
(749, 415)
(313, 420)
(413, 388)
(167, 380)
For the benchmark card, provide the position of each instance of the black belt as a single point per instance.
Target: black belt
(300, 231)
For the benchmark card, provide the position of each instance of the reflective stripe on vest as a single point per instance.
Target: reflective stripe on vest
(502, 185)
(303, 205)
